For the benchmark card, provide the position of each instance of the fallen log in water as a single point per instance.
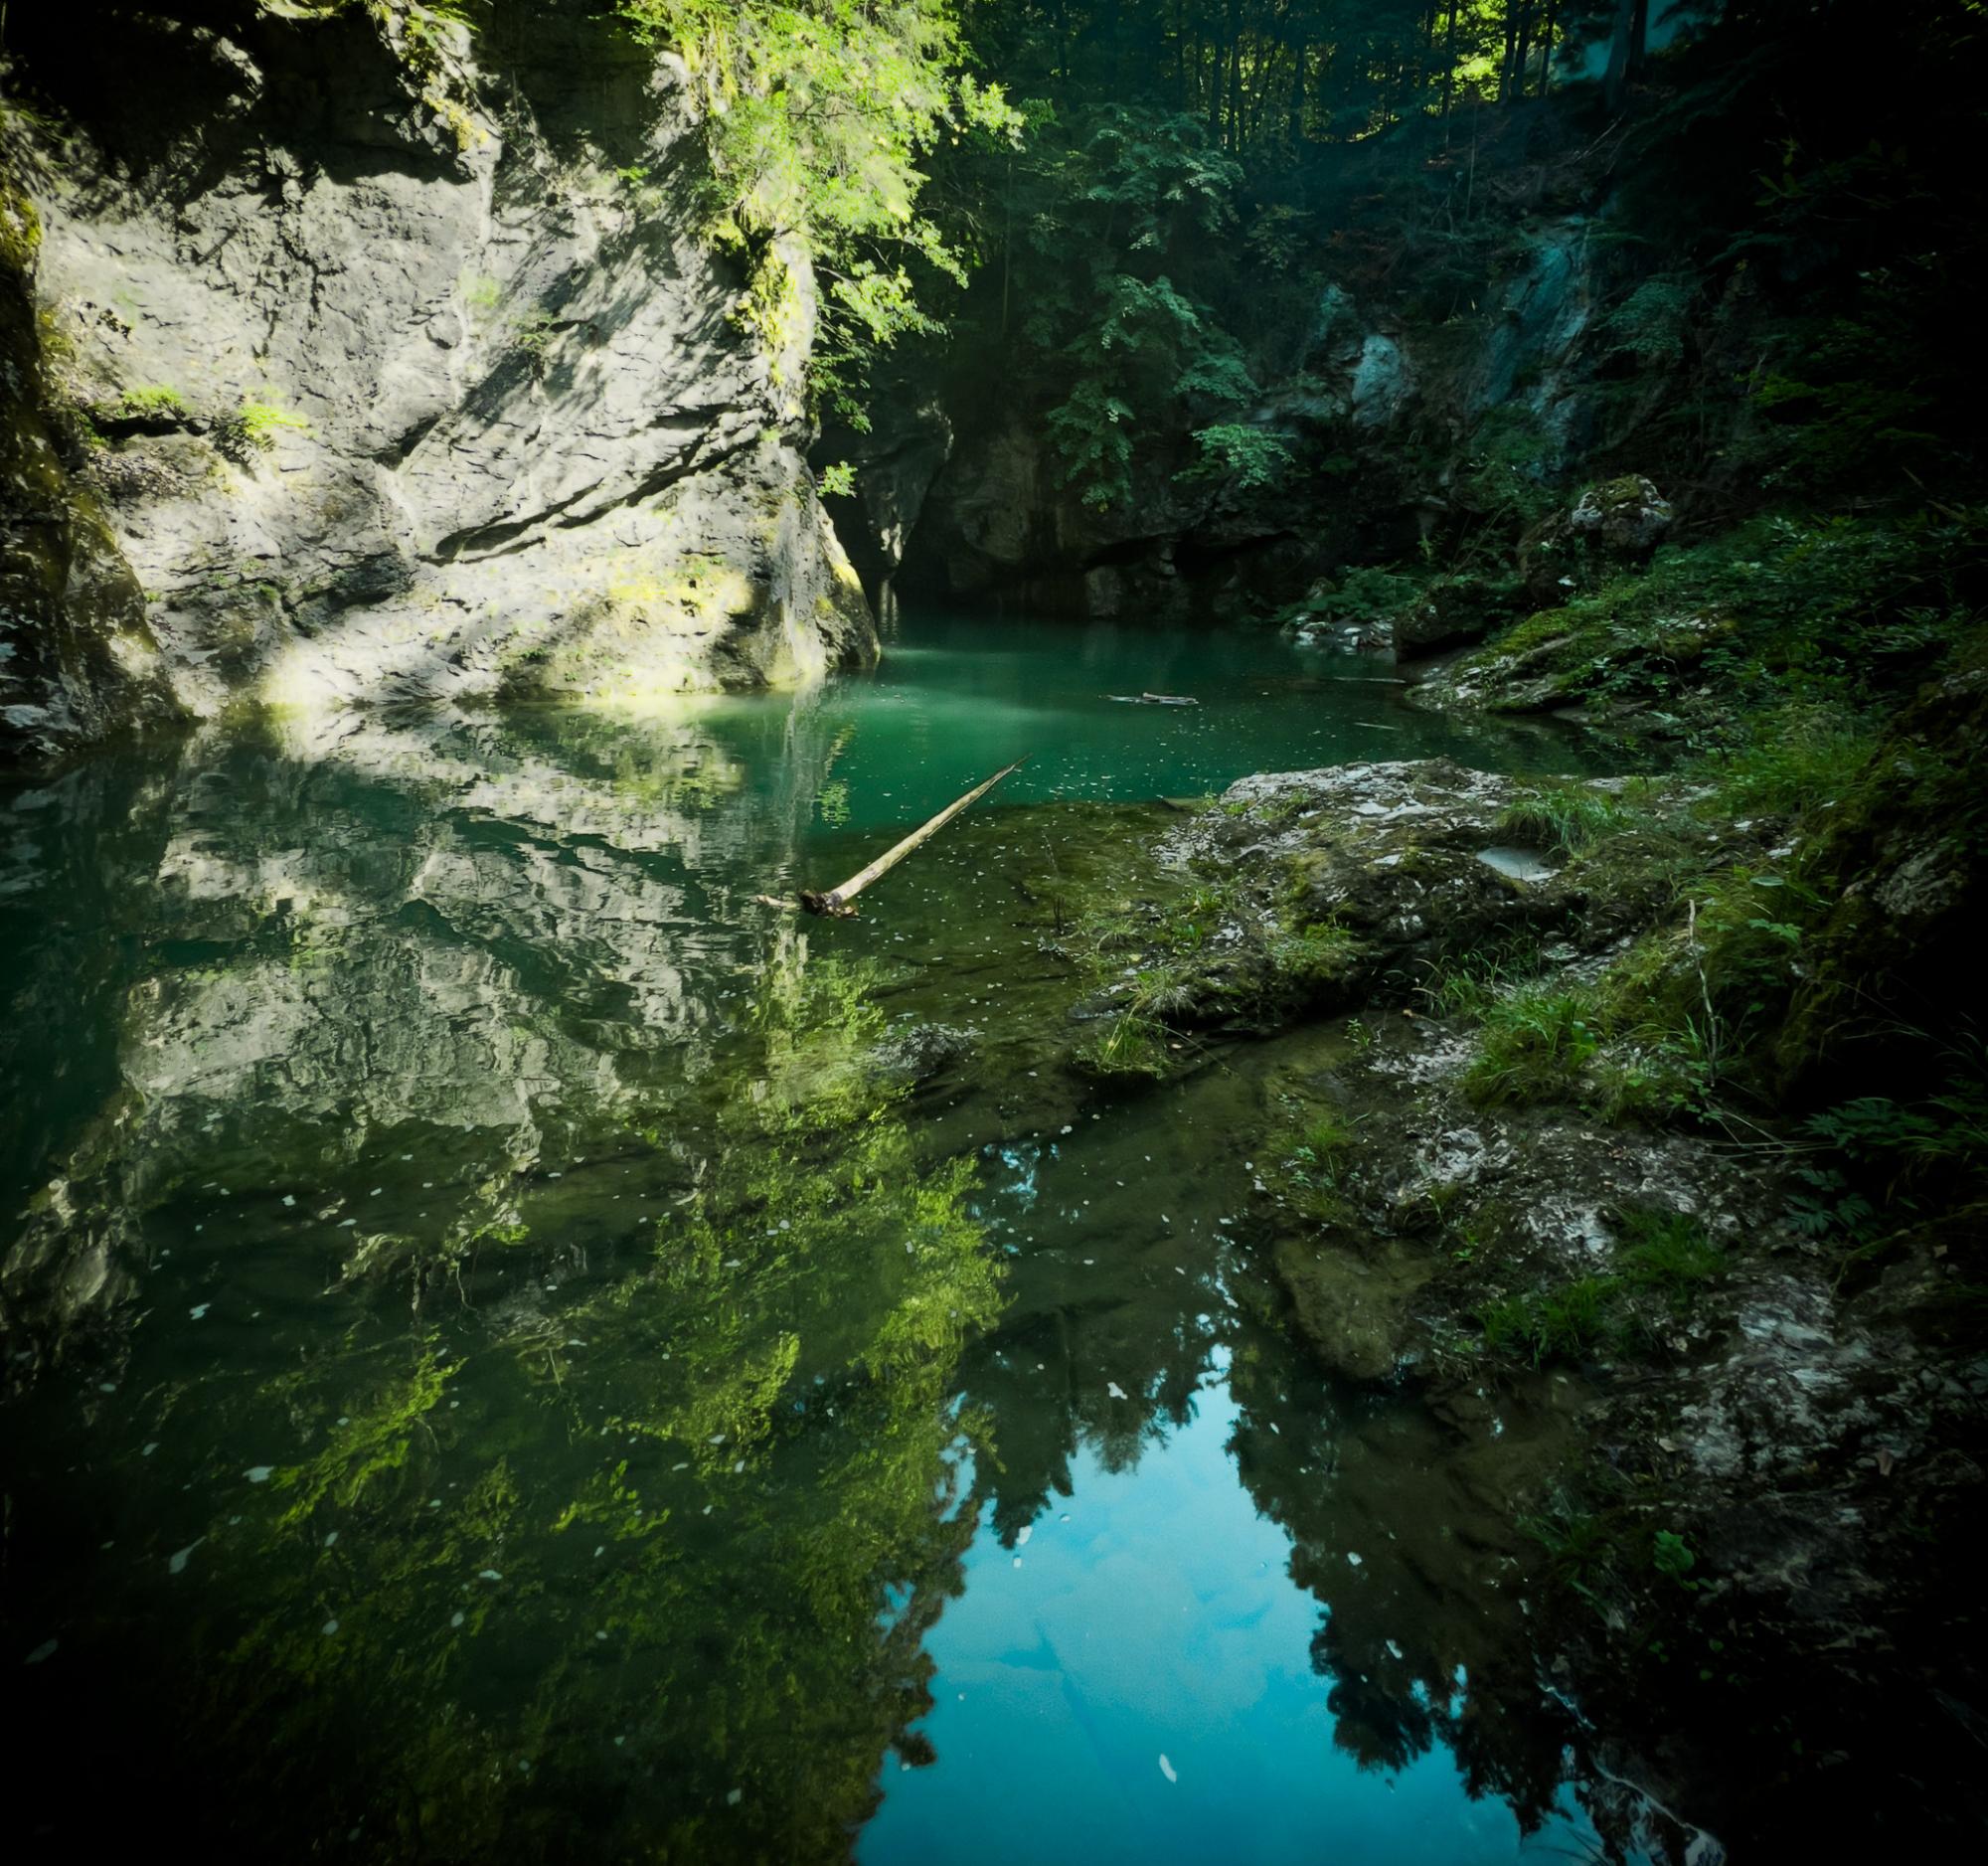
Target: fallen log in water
(835, 903)
(1153, 699)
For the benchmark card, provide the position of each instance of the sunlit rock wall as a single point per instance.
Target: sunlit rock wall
(405, 371)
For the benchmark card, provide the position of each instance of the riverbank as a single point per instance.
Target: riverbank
(1673, 1084)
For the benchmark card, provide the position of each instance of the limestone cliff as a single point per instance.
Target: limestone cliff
(397, 369)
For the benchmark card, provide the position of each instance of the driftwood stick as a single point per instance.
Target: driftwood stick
(835, 903)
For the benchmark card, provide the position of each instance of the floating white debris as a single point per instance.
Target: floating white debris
(490, 1574)
(177, 1565)
(331, 1538)
(46, 1650)
(1394, 1650)
(149, 1449)
(600, 1551)
(1114, 1388)
(1352, 1560)
(199, 1309)
(455, 1620)
(1067, 1128)
(1167, 1769)
(330, 1628)
(1018, 1561)
(1023, 1534)
(288, 1199)
(717, 1437)
(734, 1797)
(259, 1474)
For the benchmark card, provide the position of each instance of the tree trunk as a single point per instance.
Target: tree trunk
(1626, 50)
(835, 903)
(1449, 62)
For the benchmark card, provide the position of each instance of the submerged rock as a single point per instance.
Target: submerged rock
(923, 1051)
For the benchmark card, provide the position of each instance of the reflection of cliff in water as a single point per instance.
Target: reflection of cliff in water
(475, 940)
(639, 1535)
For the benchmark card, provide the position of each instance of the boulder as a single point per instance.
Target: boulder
(1626, 517)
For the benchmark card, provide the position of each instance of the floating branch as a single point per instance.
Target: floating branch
(835, 903)
(1153, 699)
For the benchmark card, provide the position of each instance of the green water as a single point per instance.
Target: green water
(498, 1369)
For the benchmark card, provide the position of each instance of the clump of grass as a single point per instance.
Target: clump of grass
(1795, 757)
(1534, 1046)
(1311, 956)
(1568, 1323)
(1311, 1160)
(1565, 817)
(1467, 984)
(1135, 1044)
(157, 400)
(253, 430)
(1668, 1254)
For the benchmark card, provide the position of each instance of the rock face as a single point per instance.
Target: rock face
(77, 657)
(407, 375)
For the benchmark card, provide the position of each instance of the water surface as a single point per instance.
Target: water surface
(499, 1369)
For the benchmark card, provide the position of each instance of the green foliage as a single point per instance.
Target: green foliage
(1533, 1046)
(1311, 1161)
(1876, 1162)
(1508, 473)
(253, 428)
(1650, 324)
(1570, 1322)
(158, 399)
(1671, 1555)
(1469, 982)
(1092, 433)
(1668, 1254)
(534, 333)
(1247, 459)
(1359, 594)
(816, 113)
(1565, 818)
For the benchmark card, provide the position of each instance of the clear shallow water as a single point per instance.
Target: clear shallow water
(495, 1373)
